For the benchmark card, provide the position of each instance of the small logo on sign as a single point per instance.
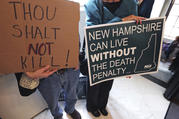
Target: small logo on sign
(147, 66)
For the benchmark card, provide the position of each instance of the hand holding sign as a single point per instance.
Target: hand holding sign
(133, 17)
(41, 73)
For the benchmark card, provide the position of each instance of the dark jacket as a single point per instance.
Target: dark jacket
(145, 8)
(172, 90)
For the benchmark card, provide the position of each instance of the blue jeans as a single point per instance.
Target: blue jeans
(51, 87)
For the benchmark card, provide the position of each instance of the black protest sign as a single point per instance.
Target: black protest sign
(38, 33)
(124, 48)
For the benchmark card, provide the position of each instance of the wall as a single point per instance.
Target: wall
(13, 105)
(82, 25)
(157, 8)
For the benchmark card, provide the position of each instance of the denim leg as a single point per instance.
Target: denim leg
(71, 78)
(50, 89)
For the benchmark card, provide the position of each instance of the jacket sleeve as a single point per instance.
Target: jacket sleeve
(115, 19)
(93, 12)
(134, 8)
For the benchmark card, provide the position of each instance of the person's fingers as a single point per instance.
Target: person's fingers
(133, 17)
(128, 77)
(41, 73)
(53, 70)
(140, 21)
(44, 69)
(48, 73)
(141, 18)
(137, 21)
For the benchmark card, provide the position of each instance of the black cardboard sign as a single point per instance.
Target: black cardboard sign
(124, 48)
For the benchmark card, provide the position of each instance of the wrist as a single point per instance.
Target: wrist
(36, 78)
(30, 75)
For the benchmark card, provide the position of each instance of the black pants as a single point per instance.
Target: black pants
(97, 95)
(172, 90)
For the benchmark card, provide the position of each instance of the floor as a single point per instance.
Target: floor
(134, 98)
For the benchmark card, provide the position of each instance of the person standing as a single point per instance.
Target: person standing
(51, 82)
(103, 12)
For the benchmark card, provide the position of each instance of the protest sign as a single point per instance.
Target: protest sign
(35, 33)
(123, 48)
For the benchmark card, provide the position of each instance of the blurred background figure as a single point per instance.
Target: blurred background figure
(145, 8)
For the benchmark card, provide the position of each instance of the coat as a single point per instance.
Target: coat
(103, 15)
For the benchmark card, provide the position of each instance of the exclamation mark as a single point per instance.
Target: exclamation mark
(67, 58)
